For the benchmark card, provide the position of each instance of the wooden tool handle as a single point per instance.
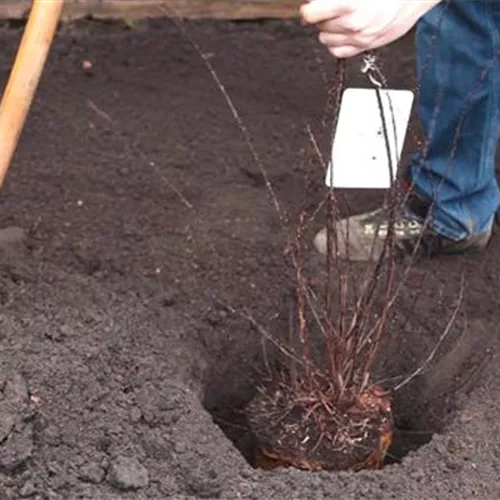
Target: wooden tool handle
(25, 75)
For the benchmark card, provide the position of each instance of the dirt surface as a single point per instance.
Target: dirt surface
(145, 214)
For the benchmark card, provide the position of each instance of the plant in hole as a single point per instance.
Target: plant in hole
(322, 410)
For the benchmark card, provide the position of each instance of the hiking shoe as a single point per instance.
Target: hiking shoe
(367, 233)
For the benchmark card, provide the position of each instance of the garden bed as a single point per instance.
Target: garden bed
(123, 370)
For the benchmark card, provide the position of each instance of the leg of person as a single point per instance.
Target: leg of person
(458, 48)
(460, 110)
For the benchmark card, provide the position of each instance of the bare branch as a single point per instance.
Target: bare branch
(235, 113)
(441, 339)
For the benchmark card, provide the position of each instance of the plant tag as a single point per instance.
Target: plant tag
(359, 152)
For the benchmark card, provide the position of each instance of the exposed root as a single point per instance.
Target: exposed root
(313, 430)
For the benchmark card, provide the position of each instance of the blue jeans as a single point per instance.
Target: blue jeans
(458, 66)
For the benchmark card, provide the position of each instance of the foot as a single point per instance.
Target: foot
(367, 232)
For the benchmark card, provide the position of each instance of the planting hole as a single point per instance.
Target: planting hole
(281, 411)
(414, 425)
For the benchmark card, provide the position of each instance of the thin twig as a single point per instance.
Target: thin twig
(173, 188)
(236, 115)
(441, 339)
(98, 111)
(287, 351)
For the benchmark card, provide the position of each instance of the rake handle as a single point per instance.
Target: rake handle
(25, 76)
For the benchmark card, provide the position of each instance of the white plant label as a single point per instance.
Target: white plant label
(359, 152)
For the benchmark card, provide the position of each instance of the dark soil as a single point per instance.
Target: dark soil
(145, 216)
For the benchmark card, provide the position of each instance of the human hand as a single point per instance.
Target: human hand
(350, 27)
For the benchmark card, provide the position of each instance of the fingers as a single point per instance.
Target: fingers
(342, 45)
(344, 51)
(317, 11)
(340, 25)
(336, 25)
(335, 39)
(339, 39)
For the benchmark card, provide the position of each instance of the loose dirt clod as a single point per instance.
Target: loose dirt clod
(28, 489)
(91, 473)
(17, 449)
(16, 389)
(127, 473)
(7, 419)
(11, 235)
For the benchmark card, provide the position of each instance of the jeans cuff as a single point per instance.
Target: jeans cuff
(445, 231)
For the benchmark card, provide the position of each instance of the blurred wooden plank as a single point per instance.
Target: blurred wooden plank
(137, 9)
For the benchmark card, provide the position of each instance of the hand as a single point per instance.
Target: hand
(350, 27)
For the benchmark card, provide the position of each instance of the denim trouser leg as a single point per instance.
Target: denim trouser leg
(458, 65)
